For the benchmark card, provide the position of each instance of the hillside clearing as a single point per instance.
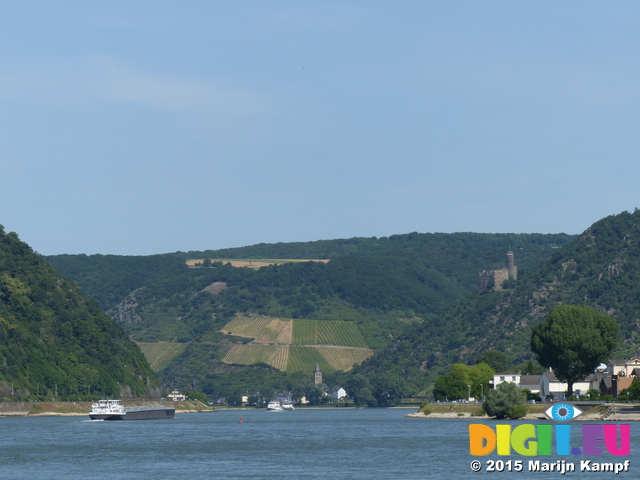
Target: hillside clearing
(250, 263)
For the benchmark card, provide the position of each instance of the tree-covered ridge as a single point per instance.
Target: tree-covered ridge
(457, 256)
(387, 286)
(54, 339)
(110, 278)
(598, 268)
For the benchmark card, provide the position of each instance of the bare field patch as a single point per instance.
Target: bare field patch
(250, 263)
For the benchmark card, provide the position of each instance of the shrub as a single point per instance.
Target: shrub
(518, 411)
(500, 402)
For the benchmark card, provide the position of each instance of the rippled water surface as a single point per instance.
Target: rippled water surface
(314, 444)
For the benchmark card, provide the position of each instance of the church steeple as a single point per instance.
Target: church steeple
(317, 375)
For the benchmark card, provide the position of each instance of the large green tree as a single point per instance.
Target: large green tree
(573, 341)
(463, 380)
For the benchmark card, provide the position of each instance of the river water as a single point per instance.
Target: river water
(311, 444)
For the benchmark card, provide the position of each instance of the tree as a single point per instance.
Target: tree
(359, 389)
(463, 380)
(495, 359)
(314, 395)
(594, 394)
(454, 385)
(479, 377)
(573, 341)
(193, 395)
(505, 401)
(631, 393)
(528, 367)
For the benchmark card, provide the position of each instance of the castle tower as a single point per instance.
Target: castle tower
(512, 270)
(317, 375)
(493, 279)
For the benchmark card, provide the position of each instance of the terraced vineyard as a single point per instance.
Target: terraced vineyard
(305, 359)
(343, 358)
(261, 329)
(297, 345)
(274, 355)
(305, 332)
(161, 353)
(336, 332)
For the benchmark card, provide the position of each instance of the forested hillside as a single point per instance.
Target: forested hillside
(385, 286)
(54, 340)
(412, 297)
(457, 256)
(599, 268)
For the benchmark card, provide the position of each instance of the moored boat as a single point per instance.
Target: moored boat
(274, 406)
(112, 410)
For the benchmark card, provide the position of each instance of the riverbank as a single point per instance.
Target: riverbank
(52, 409)
(608, 412)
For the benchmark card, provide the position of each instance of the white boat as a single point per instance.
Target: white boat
(112, 410)
(107, 410)
(274, 406)
(287, 406)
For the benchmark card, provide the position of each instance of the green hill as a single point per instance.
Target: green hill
(54, 340)
(599, 268)
(384, 287)
(450, 260)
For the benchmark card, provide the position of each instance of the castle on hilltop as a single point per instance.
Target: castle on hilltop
(493, 279)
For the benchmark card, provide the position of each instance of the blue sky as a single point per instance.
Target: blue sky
(153, 126)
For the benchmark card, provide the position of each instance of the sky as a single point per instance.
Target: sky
(146, 127)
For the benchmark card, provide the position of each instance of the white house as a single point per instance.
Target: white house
(550, 385)
(176, 396)
(616, 375)
(531, 383)
(509, 377)
(338, 393)
(624, 368)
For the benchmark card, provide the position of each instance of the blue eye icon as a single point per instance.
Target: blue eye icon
(563, 412)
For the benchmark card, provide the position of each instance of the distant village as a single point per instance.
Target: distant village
(329, 394)
(610, 379)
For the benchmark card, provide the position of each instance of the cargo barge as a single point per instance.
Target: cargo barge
(112, 410)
